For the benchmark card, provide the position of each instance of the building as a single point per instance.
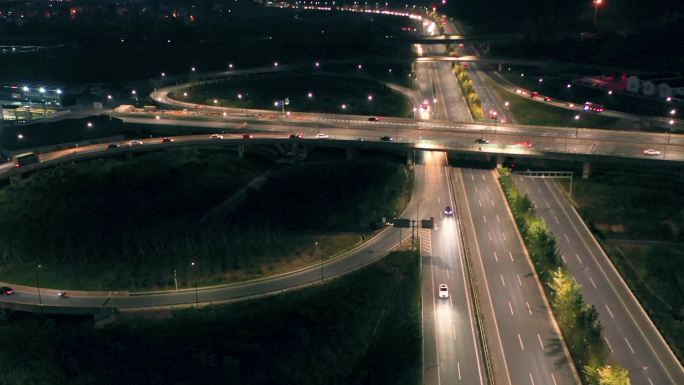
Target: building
(659, 85)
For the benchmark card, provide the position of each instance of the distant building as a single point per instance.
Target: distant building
(660, 85)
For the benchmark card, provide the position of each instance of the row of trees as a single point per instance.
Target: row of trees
(468, 91)
(577, 319)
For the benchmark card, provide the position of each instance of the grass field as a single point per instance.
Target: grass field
(364, 328)
(639, 215)
(130, 223)
(306, 91)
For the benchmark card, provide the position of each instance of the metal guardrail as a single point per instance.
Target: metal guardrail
(473, 291)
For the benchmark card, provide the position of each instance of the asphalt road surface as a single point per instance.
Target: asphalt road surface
(523, 339)
(450, 348)
(633, 340)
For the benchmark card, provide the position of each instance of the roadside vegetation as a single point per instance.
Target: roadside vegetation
(530, 112)
(114, 224)
(638, 217)
(306, 92)
(471, 97)
(363, 328)
(577, 319)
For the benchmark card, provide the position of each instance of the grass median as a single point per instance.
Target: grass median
(138, 223)
(363, 328)
(306, 92)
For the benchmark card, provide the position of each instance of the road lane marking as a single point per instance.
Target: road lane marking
(566, 238)
(475, 188)
(540, 341)
(510, 255)
(492, 202)
(483, 177)
(502, 279)
(528, 307)
(592, 283)
(629, 346)
(496, 258)
(538, 189)
(554, 379)
(458, 365)
(608, 343)
(497, 219)
(510, 307)
(531, 379)
(504, 236)
(453, 329)
(609, 312)
(490, 235)
(579, 259)
(548, 206)
(479, 202)
(484, 219)
(472, 177)
(649, 380)
(520, 340)
(556, 218)
(564, 261)
(519, 281)
(451, 304)
(488, 189)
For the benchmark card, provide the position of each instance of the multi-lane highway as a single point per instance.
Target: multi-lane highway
(524, 341)
(631, 337)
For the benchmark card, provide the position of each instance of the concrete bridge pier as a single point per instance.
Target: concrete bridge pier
(499, 161)
(241, 150)
(586, 170)
(352, 153)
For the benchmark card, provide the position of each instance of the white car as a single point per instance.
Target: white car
(216, 136)
(651, 151)
(443, 291)
(135, 143)
(322, 136)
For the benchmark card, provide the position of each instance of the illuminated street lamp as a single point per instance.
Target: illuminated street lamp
(163, 74)
(40, 300)
(309, 95)
(673, 111)
(317, 64)
(215, 101)
(370, 98)
(193, 265)
(193, 69)
(89, 124)
(344, 106)
(230, 66)
(275, 64)
(20, 136)
(596, 5)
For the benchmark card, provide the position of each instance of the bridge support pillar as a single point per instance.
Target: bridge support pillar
(241, 150)
(295, 152)
(586, 170)
(351, 153)
(499, 161)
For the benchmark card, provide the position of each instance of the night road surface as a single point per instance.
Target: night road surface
(633, 340)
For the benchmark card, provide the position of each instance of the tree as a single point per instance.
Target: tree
(607, 375)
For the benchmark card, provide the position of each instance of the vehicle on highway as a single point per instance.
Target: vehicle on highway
(247, 136)
(373, 119)
(443, 291)
(167, 140)
(296, 136)
(589, 106)
(448, 211)
(63, 294)
(503, 120)
(135, 143)
(525, 144)
(387, 138)
(322, 136)
(651, 151)
(4, 290)
(482, 141)
(547, 98)
(26, 159)
(493, 114)
(112, 146)
(216, 136)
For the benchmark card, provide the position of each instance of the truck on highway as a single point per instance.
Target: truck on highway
(26, 159)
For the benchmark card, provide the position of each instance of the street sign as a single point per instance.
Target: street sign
(427, 223)
(402, 223)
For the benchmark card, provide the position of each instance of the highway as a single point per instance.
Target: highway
(633, 340)
(450, 342)
(524, 342)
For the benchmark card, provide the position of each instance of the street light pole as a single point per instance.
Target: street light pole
(40, 300)
(596, 5)
(193, 264)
